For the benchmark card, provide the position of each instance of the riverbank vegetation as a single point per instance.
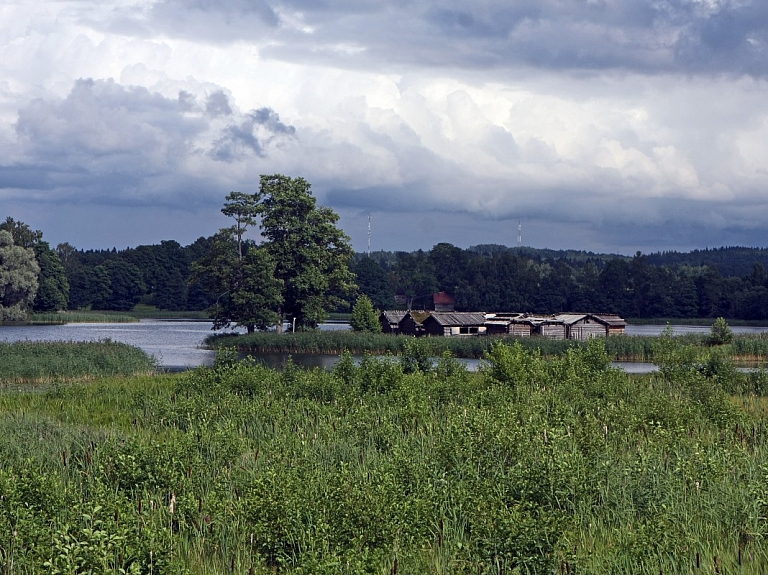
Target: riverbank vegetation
(45, 362)
(746, 347)
(547, 465)
(64, 317)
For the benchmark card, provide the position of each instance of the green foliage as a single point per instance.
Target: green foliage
(299, 271)
(364, 317)
(416, 356)
(538, 465)
(535, 466)
(372, 280)
(721, 333)
(62, 361)
(53, 289)
(311, 253)
(126, 286)
(18, 279)
(512, 365)
(249, 294)
(89, 287)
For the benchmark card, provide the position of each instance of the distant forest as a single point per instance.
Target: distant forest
(730, 281)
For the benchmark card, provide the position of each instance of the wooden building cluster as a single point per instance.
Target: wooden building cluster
(579, 326)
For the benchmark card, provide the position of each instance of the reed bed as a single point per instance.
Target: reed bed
(534, 465)
(63, 317)
(750, 347)
(619, 348)
(31, 361)
(335, 342)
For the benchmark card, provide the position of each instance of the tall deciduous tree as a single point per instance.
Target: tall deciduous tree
(53, 287)
(243, 278)
(303, 251)
(18, 278)
(311, 253)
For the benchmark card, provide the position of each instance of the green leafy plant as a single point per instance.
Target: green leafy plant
(720, 333)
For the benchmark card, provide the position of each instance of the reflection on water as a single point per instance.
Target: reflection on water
(633, 329)
(174, 344)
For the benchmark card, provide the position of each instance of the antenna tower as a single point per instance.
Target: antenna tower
(519, 233)
(369, 235)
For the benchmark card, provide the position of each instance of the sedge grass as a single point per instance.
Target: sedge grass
(64, 317)
(31, 361)
(618, 348)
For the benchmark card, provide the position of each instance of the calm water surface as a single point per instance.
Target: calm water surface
(176, 343)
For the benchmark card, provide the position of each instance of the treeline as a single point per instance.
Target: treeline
(157, 275)
(728, 282)
(496, 278)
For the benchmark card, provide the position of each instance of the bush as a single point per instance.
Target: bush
(721, 333)
(364, 317)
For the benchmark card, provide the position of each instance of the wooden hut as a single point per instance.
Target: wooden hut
(455, 324)
(523, 326)
(390, 321)
(502, 323)
(412, 322)
(581, 326)
(613, 324)
(551, 327)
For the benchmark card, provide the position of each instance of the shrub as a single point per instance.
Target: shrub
(721, 333)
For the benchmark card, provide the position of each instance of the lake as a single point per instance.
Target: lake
(176, 343)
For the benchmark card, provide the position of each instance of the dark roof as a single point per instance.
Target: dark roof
(570, 318)
(457, 318)
(610, 319)
(393, 316)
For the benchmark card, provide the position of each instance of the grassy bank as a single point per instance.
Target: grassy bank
(559, 465)
(619, 348)
(63, 317)
(26, 362)
(746, 347)
(97, 316)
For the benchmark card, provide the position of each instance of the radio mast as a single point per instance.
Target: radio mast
(519, 233)
(369, 234)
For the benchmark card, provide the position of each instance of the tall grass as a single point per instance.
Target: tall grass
(62, 317)
(535, 465)
(30, 361)
(621, 347)
(97, 316)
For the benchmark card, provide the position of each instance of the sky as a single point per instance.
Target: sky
(602, 125)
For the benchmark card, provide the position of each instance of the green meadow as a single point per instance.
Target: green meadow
(535, 464)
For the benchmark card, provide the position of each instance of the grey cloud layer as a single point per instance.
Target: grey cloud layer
(124, 144)
(695, 36)
(624, 122)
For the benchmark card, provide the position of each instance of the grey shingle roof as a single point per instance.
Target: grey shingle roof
(458, 318)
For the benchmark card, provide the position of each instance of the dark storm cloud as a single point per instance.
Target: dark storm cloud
(28, 177)
(123, 145)
(257, 129)
(105, 138)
